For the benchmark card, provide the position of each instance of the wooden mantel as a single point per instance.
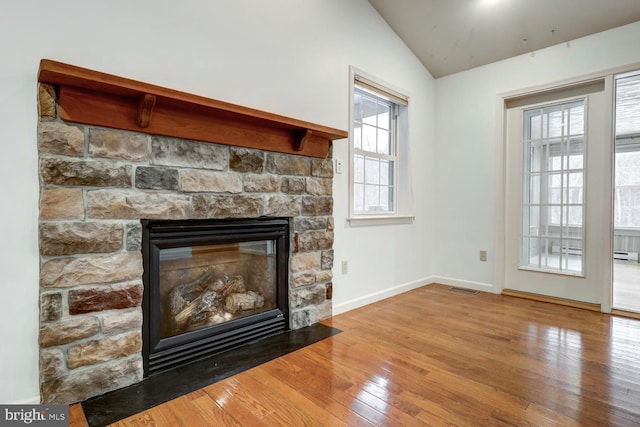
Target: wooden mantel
(95, 98)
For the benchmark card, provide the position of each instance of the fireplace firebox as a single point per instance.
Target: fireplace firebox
(210, 286)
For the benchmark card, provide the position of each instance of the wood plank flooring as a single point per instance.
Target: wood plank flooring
(434, 357)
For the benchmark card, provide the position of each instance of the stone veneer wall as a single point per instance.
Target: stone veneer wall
(96, 185)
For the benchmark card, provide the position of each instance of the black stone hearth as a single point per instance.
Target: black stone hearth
(162, 387)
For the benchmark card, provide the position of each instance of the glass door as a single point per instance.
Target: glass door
(558, 192)
(553, 188)
(626, 207)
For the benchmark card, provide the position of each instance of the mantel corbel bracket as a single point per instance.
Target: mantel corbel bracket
(146, 104)
(301, 138)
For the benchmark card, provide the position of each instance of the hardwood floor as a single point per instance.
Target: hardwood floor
(435, 357)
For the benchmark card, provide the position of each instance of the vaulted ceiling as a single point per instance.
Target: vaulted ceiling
(449, 36)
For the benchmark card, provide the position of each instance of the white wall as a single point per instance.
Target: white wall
(284, 56)
(468, 137)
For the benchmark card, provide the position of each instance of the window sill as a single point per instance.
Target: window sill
(360, 221)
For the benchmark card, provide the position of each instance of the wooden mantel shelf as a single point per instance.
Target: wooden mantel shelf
(95, 98)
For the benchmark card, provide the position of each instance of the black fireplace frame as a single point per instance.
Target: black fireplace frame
(160, 354)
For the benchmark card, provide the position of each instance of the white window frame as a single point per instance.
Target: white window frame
(402, 200)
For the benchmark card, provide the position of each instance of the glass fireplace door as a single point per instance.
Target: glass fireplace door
(206, 285)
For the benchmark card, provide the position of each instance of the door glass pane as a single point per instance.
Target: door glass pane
(555, 123)
(536, 126)
(553, 183)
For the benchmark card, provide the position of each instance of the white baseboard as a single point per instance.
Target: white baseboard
(477, 286)
(380, 295)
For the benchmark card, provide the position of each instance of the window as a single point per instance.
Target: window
(553, 187)
(378, 150)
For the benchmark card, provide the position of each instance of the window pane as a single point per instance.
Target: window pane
(369, 138)
(357, 107)
(358, 197)
(384, 141)
(357, 136)
(384, 198)
(384, 116)
(373, 184)
(358, 169)
(385, 177)
(372, 171)
(369, 111)
(372, 198)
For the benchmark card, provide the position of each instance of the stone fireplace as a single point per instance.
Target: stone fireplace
(100, 184)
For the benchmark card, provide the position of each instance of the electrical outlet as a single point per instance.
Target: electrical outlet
(345, 267)
(483, 256)
(338, 166)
